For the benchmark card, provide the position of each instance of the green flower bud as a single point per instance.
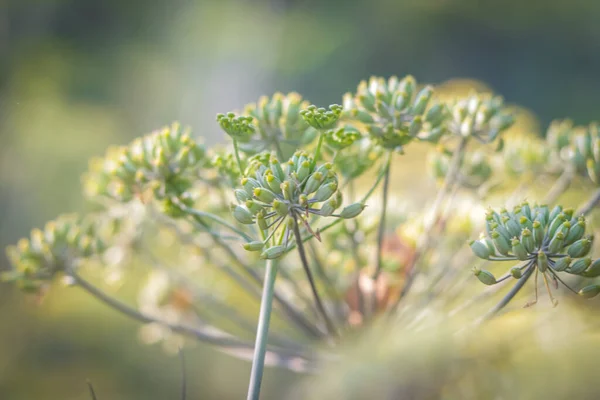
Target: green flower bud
(542, 261)
(415, 126)
(261, 222)
(593, 271)
(485, 277)
(304, 170)
(543, 214)
(249, 184)
(576, 232)
(556, 223)
(329, 207)
(518, 249)
(527, 240)
(273, 252)
(241, 195)
(242, 215)
(556, 244)
(562, 264)
(502, 244)
(480, 249)
(313, 182)
(273, 183)
(352, 210)
(525, 222)
(579, 266)
(264, 195)
(422, 100)
(277, 170)
(513, 227)
(254, 246)
(554, 213)
(526, 210)
(590, 291)
(287, 187)
(253, 206)
(538, 233)
(516, 272)
(325, 192)
(580, 248)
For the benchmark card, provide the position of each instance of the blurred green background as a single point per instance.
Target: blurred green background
(79, 75)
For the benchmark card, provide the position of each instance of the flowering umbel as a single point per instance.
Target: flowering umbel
(545, 241)
(395, 112)
(275, 196)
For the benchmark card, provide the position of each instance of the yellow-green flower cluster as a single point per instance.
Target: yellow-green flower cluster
(275, 196)
(166, 162)
(61, 243)
(394, 112)
(549, 241)
(481, 116)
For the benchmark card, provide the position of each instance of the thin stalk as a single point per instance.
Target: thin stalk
(237, 156)
(511, 294)
(262, 332)
(217, 219)
(319, 144)
(330, 327)
(183, 376)
(561, 185)
(449, 181)
(590, 204)
(229, 344)
(381, 230)
(326, 281)
(291, 312)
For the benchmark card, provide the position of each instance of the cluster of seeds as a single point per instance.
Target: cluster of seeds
(394, 113)
(546, 241)
(480, 116)
(277, 125)
(165, 162)
(68, 238)
(275, 196)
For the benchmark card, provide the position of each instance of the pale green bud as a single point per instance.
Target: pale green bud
(485, 277)
(518, 249)
(579, 266)
(562, 264)
(273, 252)
(580, 248)
(242, 215)
(480, 249)
(254, 246)
(542, 261)
(590, 291)
(352, 210)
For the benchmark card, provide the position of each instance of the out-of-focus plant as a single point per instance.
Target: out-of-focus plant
(281, 221)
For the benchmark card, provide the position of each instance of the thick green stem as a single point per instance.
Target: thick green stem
(262, 332)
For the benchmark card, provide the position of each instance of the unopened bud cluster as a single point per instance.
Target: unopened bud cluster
(480, 116)
(276, 124)
(550, 240)
(276, 196)
(38, 258)
(475, 170)
(395, 112)
(165, 162)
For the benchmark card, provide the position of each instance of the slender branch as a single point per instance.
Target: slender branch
(381, 229)
(511, 294)
(92, 392)
(215, 218)
(561, 185)
(319, 144)
(330, 327)
(183, 376)
(449, 181)
(592, 202)
(326, 280)
(291, 312)
(236, 150)
(262, 332)
(241, 349)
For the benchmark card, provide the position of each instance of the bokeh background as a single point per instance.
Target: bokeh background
(79, 75)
